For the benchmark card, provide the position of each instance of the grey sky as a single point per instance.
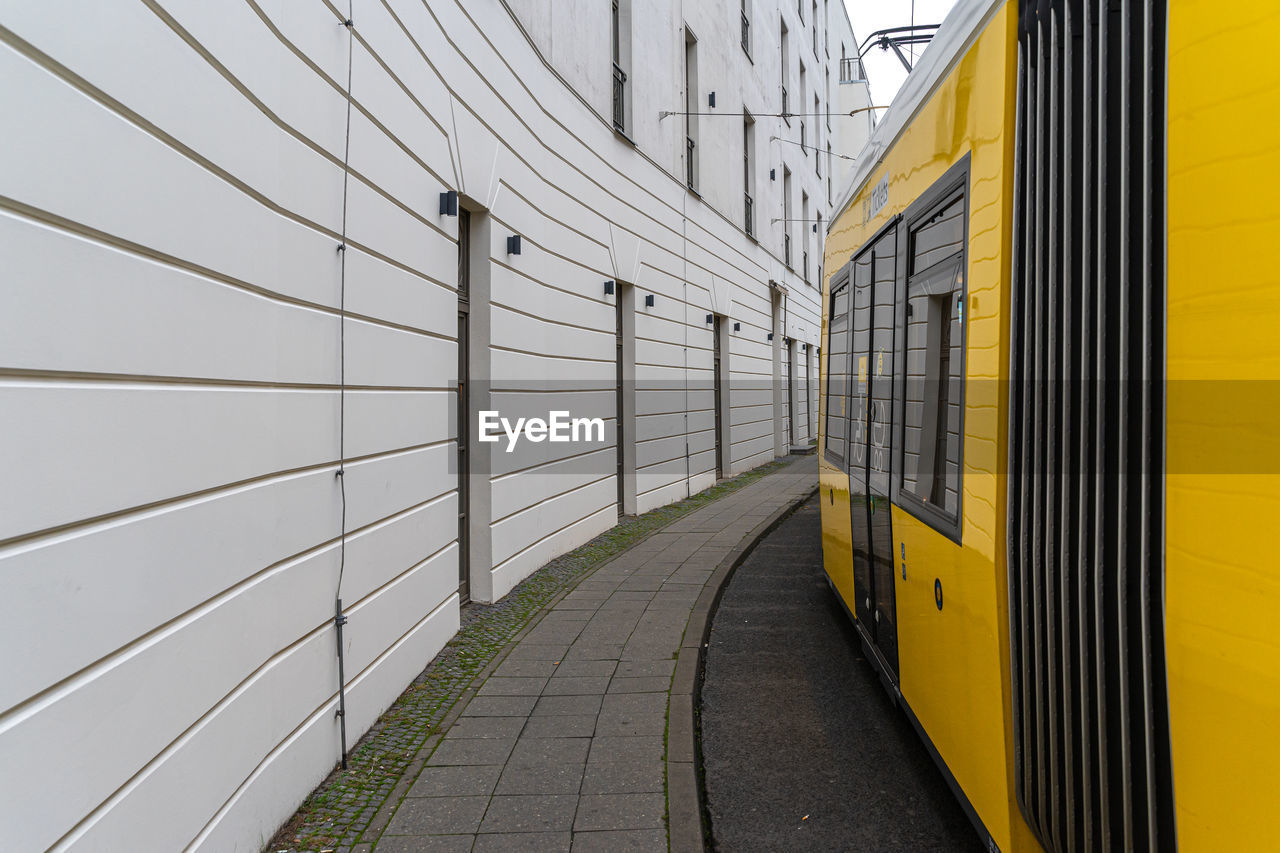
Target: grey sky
(867, 16)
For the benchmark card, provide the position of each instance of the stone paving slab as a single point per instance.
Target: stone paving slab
(564, 745)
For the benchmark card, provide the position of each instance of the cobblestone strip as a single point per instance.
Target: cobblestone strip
(342, 810)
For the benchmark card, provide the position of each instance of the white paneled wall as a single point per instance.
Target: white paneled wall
(184, 367)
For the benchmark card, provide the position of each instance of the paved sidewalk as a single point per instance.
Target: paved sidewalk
(563, 747)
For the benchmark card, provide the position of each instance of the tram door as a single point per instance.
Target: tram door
(870, 446)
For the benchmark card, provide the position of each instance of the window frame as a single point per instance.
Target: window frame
(842, 280)
(952, 186)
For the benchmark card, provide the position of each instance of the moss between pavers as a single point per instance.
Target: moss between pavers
(341, 808)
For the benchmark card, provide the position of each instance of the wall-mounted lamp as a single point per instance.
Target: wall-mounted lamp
(449, 203)
(608, 287)
(815, 228)
(773, 174)
(711, 100)
(648, 300)
(771, 336)
(737, 327)
(711, 318)
(513, 244)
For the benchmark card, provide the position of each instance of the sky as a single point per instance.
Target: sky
(867, 16)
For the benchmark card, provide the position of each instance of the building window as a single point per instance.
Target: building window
(829, 166)
(837, 390)
(826, 31)
(828, 91)
(934, 359)
(815, 27)
(800, 10)
(620, 26)
(691, 107)
(817, 136)
(783, 54)
(800, 96)
(786, 216)
(804, 229)
(821, 237)
(748, 174)
(746, 26)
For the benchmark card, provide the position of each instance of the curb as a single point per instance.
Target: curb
(689, 827)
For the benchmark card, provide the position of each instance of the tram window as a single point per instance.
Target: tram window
(837, 391)
(940, 237)
(932, 425)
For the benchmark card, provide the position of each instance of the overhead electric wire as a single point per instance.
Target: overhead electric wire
(665, 113)
(813, 147)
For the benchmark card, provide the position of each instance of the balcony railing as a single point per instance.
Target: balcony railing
(688, 163)
(619, 98)
(746, 33)
(786, 248)
(750, 218)
(851, 69)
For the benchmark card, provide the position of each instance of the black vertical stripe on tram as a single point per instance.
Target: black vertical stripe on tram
(1087, 59)
(1037, 338)
(1028, 415)
(1123, 473)
(1147, 259)
(1053, 404)
(1113, 275)
(1023, 447)
(1100, 511)
(1017, 604)
(1161, 768)
(1068, 379)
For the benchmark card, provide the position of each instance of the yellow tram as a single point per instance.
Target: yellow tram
(1050, 458)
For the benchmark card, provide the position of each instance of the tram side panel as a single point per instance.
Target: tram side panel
(1222, 581)
(948, 574)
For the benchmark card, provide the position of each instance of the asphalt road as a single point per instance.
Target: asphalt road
(802, 748)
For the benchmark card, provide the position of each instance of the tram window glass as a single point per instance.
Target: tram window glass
(934, 367)
(940, 236)
(837, 391)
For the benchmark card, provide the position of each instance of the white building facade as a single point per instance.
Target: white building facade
(246, 335)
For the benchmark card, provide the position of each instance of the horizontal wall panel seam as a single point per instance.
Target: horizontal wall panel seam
(72, 379)
(225, 72)
(530, 546)
(316, 715)
(19, 209)
(15, 714)
(201, 494)
(341, 89)
(90, 91)
(514, 114)
(87, 822)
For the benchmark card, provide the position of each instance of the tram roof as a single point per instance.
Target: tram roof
(962, 26)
